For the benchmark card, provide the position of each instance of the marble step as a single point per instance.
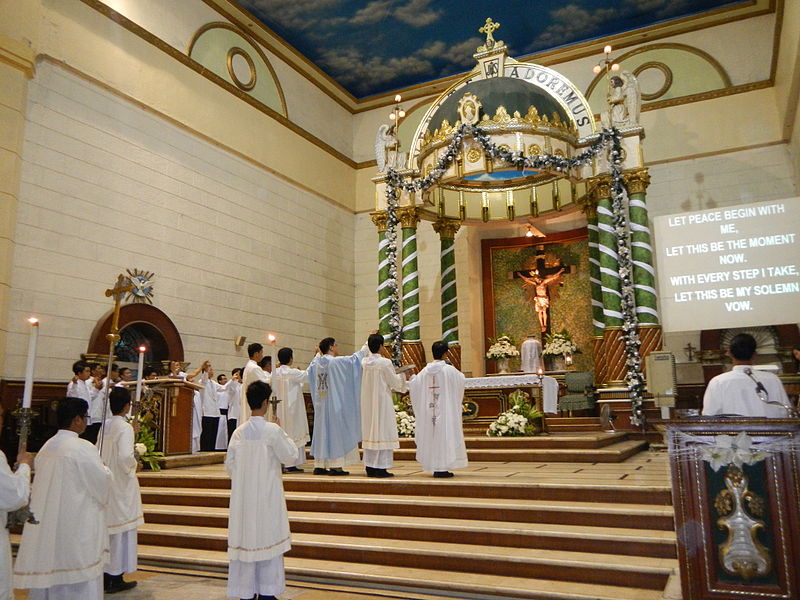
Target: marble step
(455, 584)
(499, 487)
(563, 441)
(584, 567)
(635, 542)
(636, 516)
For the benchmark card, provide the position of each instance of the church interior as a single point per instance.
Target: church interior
(620, 177)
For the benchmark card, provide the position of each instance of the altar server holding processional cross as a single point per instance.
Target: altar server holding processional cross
(437, 393)
(62, 556)
(124, 513)
(258, 526)
(14, 493)
(287, 385)
(335, 383)
(378, 421)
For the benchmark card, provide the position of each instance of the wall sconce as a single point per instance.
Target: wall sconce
(239, 341)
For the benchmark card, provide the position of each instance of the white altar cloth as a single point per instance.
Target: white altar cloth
(548, 384)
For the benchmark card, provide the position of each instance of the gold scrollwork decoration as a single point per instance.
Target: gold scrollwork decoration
(534, 150)
(244, 85)
(474, 155)
(665, 70)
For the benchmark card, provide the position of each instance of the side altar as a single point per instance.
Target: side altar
(166, 406)
(489, 395)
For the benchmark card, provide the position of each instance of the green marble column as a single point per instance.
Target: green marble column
(643, 273)
(447, 228)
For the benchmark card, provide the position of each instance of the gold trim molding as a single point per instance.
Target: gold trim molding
(665, 70)
(234, 52)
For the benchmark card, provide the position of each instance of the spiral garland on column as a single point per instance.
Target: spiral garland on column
(608, 138)
(392, 197)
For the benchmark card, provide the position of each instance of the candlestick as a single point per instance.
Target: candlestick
(139, 379)
(27, 393)
(273, 352)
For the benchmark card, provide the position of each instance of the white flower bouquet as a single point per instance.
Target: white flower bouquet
(509, 424)
(406, 424)
(139, 450)
(502, 347)
(559, 344)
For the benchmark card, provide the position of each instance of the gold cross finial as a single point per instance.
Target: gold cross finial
(121, 287)
(489, 28)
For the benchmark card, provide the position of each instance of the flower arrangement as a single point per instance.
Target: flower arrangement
(502, 347)
(406, 423)
(558, 344)
(145, 446)
(518, 420)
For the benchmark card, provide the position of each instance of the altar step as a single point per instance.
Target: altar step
(492, 538)
(414, 580)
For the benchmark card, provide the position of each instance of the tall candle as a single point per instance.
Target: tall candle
(140, 372)
(27, 393)
(273, 351)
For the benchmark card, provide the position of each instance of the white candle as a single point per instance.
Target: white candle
(27, 393)
(140, 372)
(273, 351)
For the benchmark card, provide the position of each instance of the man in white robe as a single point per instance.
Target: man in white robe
(14, 492)
(62, 557)
(258, 525)
(437, 394)
(531, 355)
(124, 512)
(335, 384)
(252, 372)
(210, 407)
(378, 420)
(743, 390)
(287, 383)
(234, 400)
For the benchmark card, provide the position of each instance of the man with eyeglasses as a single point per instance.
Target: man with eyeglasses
(746, 391)
(63, 555)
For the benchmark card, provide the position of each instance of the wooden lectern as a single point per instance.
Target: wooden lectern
(168, 402)
(736, 494)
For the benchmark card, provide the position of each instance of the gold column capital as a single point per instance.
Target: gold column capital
(408, 216)
(446, 228)
(636, 181)
(599, 187)
(381, 220)
(588, 204)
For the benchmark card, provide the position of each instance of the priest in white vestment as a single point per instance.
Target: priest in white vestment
(14, 492)
(62, 557)
(437, 394)
(531, 355)
(252, 372)
(287, 384)
(258, 525)
(378, 421)
(335, 383)
(124, 512)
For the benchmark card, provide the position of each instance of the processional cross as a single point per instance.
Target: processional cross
(537, 282)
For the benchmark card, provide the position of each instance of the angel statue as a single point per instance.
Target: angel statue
(387, 149)
(624, 101)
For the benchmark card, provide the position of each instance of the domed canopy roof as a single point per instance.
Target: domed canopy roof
(511, 93)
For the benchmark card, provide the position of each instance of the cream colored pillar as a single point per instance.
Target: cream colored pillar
(17, 34)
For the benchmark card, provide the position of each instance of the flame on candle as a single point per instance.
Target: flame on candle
(142, 349)
(33, 321)
(271, 338)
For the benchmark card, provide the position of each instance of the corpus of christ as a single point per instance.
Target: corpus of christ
(387, 300)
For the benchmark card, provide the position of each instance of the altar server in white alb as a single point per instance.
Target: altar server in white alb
(14, 492)
(287, 384)
(335, 384)
(258, 525)
(378, 421)
(437, 394)
(746, 391)
(124, 513)
(62, 557)
(234, 400)
(252, 372)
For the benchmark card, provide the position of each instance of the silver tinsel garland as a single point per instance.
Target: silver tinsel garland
(608, 138)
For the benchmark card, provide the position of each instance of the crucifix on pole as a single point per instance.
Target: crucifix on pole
(121, 287)
(537, 283)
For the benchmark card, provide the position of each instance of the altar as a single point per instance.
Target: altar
(489, 394)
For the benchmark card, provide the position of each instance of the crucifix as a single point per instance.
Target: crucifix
(121, 287)
(690, 351)
(537, 283)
